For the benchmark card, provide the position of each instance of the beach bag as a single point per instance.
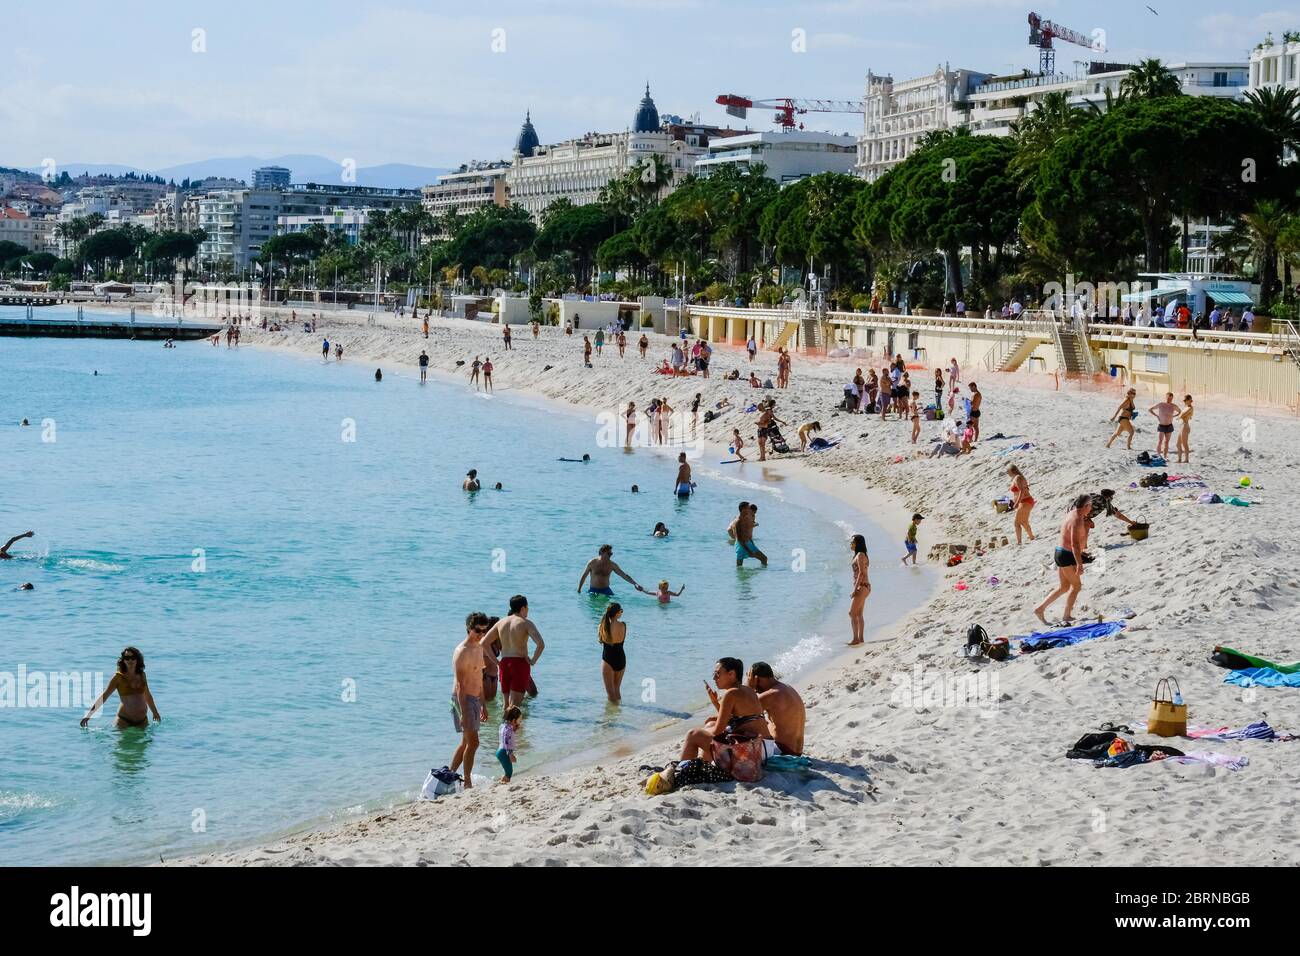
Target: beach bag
(741, 757)
(439, 782)
(976, 639)
(1165, 718)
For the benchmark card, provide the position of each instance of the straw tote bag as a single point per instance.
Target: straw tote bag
(1167, 719)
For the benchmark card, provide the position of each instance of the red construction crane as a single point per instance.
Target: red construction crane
(1041, 34)
(786, 107)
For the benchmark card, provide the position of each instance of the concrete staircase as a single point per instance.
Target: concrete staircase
(1016, 353)
(812, 333)
(1070, 351)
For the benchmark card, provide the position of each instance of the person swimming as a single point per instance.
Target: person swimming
(132, 690)
(661, 530)
(665, 595)
(471, 482)
(584, 458)
(4, 549)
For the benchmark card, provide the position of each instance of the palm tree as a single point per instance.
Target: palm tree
(1278, 110)
(1148, 80)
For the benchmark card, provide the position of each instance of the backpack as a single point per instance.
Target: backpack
(976, 639)
(439, 782)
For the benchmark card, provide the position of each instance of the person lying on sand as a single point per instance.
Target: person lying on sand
(785, 711)
(4, 551)
(739, 711)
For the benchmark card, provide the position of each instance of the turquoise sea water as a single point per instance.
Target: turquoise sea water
(333, 566)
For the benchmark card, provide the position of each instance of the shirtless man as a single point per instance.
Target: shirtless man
(683, 486)
(1165, 413)
(745, 547)
(785, 711)
(976, 400)
(600, 568)
(739, 711)
(471, 482)
(1069, 558)
(467, 693)
(515, 665)
(4, 551)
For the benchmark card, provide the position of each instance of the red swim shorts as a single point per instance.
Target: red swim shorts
(515, 674)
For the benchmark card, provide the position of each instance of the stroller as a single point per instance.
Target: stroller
(777, 440)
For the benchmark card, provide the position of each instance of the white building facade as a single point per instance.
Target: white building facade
(578, 169)
(897, 115)
(787, 156)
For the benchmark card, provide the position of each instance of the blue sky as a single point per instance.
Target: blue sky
(90, 81)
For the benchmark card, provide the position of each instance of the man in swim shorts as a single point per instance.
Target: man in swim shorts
(467, 692)
(600, 568)
(785, 711)
(683, 484)
(739, 711)
(976, 400)
(1165, 413)
(515, 667)
(1068, 559)
(745, 546)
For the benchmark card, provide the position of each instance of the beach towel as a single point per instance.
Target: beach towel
(1026, 446)
(1066, 636)
(1253, 661)
(1226, 761)
(1262, 677)
(780, 762)
(1239, 502)
(1259, 730)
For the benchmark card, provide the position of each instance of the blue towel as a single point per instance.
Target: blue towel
(1262, 677)
(780, 762)
(1065, 636)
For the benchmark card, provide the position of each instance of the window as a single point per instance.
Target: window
(1220, 79)
(1158, 362)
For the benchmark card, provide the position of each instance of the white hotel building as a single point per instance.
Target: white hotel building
(578, 169)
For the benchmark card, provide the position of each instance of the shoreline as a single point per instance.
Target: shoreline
(900, 776)
(815, 486)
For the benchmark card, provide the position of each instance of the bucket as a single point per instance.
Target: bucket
(1138, 532)
(1000, 506)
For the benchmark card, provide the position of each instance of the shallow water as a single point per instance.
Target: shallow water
(301, 660)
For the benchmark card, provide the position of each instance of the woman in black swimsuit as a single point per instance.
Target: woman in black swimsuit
(613, 661)
(132, 690)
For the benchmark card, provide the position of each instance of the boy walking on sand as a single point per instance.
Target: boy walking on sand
(911, 539)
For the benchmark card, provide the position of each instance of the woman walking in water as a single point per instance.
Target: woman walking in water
(630, 417)
(613, 661)
(132, 690)
(861, 588)
(1125, 414)
(1022, 502)
(1182, 448)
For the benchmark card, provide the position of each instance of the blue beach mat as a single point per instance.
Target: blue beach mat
(1262, 677)
(1067, 636)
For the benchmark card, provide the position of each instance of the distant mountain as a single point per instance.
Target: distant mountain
(304, 169)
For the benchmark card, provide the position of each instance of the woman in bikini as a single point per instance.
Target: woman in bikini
(1125, 414)
(1182, 448)
(643, 344)
(916, 416)
(132, 691)
(861, 588)
(630, 417)
(613, 661)
(1022, 502)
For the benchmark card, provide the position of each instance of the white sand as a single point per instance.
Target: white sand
(898, 780)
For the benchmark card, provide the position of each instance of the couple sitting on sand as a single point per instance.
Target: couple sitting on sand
(761, 706)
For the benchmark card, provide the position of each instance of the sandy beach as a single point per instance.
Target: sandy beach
(920, 756)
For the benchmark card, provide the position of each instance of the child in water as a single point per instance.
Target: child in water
(665, 596)
(506, 751)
